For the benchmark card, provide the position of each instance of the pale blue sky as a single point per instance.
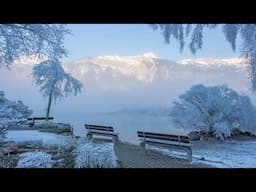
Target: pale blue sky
(134, 39)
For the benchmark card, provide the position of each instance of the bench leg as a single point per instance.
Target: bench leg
(89, 136)
(115, 140)
(189, 154)
(72, 131)
(143, 147)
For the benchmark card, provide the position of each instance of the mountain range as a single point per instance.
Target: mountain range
(113, 82)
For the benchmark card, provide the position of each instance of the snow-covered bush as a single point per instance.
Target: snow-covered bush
(12, 112)
(91, 155)
(218, 111)
(35, 160)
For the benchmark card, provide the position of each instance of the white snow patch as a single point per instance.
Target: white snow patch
(91, 155)
(237, 62)
(168, 152)
(227, 154)
(33, 135)
(35, 160)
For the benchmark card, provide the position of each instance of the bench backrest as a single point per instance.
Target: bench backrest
(161, 136)
(99, 127)
(39, 118)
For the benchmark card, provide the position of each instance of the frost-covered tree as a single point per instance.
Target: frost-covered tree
(42, 40)
(54, 82)
(218, 111)
(194, 32)
(12, 112)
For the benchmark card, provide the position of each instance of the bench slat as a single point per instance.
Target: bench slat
(99, 128)
(163, 137)
(161, 134)
(103, 129)
(103, 133)
(155, 141)
(38, 118)
(166, 139)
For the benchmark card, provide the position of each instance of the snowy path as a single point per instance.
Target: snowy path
(227, 154)
(130, 156)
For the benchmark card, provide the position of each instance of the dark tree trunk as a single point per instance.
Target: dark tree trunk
(49, 106)
(50, 100)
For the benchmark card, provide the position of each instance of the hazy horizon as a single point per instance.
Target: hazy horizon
(139, 88)
(135, 81)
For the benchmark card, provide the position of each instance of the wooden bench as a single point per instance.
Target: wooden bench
(33, 119)
(102, 131)
(177, 142)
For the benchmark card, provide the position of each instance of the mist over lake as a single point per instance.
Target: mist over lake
(130, 93)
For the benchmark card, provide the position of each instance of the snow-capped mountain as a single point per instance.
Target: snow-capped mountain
(236, 62)
(141, 67)
(127, 72)
(115, 82)
(147, 67)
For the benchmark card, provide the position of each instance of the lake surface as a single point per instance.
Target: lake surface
(126, 125)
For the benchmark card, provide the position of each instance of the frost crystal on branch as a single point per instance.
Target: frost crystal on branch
(43, 40)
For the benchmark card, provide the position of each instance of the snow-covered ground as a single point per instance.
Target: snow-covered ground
(87, 154)
(33, 135)
(221, 154)
(227, 154)
(230, 154)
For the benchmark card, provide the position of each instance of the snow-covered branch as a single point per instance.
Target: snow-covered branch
(194, 32)
(43, 40)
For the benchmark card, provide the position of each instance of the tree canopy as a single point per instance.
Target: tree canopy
(41, 40)
(195, 33)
